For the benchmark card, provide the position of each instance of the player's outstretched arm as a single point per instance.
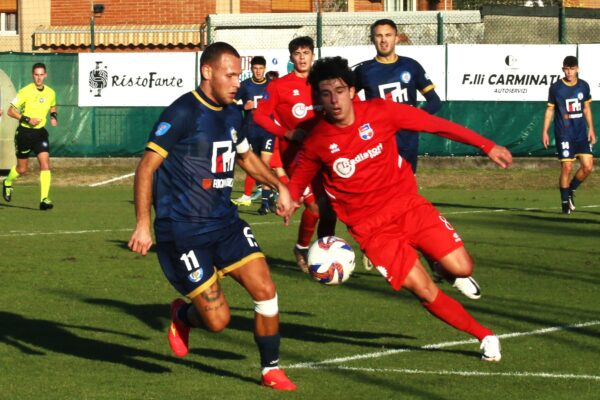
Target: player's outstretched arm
(141, 238)
(500, 155)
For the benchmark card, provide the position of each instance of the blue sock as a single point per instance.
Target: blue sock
(574, 184)
(266, 194)
(182, 314)
(564, 195)
(268, 347)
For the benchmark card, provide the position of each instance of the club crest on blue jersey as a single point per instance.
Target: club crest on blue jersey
(365, 131)
(162, 128)
(405, 76)
(196, 276)
(233, 133)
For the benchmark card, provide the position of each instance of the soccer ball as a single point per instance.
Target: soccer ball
(331, 260)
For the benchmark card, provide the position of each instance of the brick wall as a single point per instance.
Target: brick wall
(366, 5)
(138, 12)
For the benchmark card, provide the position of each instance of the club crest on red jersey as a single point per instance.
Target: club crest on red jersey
(366, 132)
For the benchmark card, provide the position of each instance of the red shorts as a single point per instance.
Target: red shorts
(391, 238)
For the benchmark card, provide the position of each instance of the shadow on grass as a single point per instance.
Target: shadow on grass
(38, 336)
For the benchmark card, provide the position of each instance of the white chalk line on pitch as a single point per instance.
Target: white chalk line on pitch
(521, 374)
(117, 178)
(379, 354)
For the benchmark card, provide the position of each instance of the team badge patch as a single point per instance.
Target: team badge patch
(162, 128)
(233, 133)
(405, 76)
(196, 276)
(365, 131)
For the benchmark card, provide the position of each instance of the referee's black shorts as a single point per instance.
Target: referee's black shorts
(29, 140)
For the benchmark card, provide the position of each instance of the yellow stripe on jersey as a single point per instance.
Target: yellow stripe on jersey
(240, 263)
(156, 148)
(428, 88)
(201, 100)
(550, 105)
(202, 287)
(35, 103)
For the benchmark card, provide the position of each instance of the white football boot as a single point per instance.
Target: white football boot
(490, 346)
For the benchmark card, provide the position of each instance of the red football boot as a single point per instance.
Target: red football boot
(278, 380)
(179, 333)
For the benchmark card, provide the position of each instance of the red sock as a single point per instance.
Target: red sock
(453, 313)
(284, 179)
(249, 185)
(308, 224)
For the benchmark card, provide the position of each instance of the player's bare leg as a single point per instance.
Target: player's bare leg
(457, 268)
(256, 279)
(450, 311)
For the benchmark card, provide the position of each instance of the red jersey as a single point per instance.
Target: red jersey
(362, 172)
(286, 104)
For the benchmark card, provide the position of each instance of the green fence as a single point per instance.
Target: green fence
(82, 131)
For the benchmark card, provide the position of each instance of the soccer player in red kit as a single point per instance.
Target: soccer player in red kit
(287, 111)
(375, 193)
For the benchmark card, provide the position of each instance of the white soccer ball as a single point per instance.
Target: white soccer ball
(331, 260)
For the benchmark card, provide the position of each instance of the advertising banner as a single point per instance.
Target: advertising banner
(589, 59)
(504, 72)
(134, 79)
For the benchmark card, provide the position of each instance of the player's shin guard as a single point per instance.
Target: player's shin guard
(308, 224)
(453, 313)
(45, 179)
(268, 347)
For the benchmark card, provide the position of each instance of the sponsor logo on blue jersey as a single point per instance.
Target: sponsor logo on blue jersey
(365, 131)
(162, 128)
(196, 276)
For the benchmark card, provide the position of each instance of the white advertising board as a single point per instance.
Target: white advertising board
(589, 59)
(134, 79)
(504, 72)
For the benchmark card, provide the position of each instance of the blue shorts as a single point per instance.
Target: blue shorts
(262, 143)
(569, 150)
(193, 269)
(408, 147)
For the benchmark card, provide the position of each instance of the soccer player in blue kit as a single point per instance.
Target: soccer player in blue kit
(390, 76)
(187, 173)
(262, 142)
(569, 102)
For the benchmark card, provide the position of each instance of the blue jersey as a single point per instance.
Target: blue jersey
(254, 91)
(192, 187)
(568, 100)
(397, 81)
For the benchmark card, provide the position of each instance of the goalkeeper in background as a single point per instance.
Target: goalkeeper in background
(31, 108)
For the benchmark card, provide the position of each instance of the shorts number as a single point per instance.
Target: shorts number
(564, 145)
(190, 260)
(250, 237)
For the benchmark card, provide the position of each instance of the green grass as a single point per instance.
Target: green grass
(84, 318)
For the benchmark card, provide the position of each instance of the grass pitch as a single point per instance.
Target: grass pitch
(82, 317)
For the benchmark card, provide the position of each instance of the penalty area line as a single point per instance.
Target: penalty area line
(117, 178)
(379, 354)
(522, 374)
